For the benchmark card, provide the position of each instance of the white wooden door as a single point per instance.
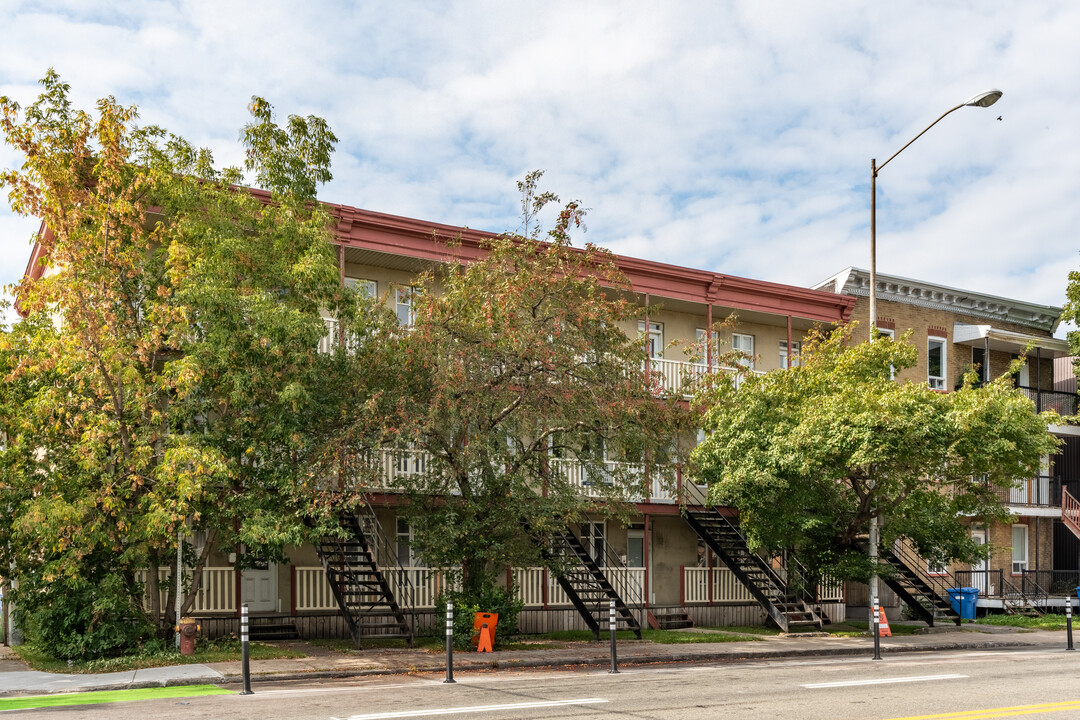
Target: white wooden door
(258, 588)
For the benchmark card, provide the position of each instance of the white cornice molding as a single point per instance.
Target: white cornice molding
(856, 282)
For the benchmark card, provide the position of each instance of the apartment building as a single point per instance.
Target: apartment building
(1037, 555)
(663, 568)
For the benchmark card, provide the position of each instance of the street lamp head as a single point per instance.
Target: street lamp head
(986, 99)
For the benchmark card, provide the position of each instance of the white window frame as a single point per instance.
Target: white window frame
(409, 538)
(594, 538)
(936, 570)
(743, 343)
(700, 337)
(937, 382)
(405, 297)
(1020, 560)
(654, 343)
(367, 288)
(891, 334)
(796, 346)
(635, 536)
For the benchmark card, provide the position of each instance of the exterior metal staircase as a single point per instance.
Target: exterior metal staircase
(585, 583)
(926, 596)
(1028, 599)
(1070, 512)
(370, 594)
(787, 606)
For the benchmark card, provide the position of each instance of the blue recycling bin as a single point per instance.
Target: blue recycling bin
(964, 600)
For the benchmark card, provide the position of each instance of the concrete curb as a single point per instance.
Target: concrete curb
(462, 664)
(674, 658)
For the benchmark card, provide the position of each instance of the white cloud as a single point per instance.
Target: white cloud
(735, 136)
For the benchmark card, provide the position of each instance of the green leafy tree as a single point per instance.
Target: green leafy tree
(515, 378)
(166, 378)
(808, 455)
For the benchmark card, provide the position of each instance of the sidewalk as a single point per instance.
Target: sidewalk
(17, 679)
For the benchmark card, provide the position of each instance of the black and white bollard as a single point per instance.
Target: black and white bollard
(449, 643)
(1068, 620)
(877, 631)
(244, 659)
(611, 625)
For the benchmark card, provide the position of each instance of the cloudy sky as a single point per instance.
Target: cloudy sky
(732, 136)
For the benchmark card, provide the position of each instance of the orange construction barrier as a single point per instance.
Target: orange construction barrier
(485, 623)
(883, 624)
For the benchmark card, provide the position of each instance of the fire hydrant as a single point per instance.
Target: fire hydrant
(187, 629)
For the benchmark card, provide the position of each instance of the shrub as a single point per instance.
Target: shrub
(490, 599)
(79, 619)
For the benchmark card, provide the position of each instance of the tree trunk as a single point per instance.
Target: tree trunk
(196, 579)
(154, 589)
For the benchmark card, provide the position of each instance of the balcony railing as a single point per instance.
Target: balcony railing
(1063, 403)
(703, 585)
(678, 377)
(1041, 491)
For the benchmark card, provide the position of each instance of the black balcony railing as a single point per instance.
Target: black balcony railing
(987, 581)
(1055, 583)
(1039, 491)
(1063, 403)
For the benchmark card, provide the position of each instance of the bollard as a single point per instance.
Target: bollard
(1068, 620)
(611, 625)
(449, 643)
(877, 631)
(244, 659)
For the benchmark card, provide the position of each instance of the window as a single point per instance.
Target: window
(592, 537)
(655, 343)
(744, 344)
(405, 312)
(784, 354)
(405, 555)
(978, 362)
(366, 288)
(635, 548)
(933, 568)
(1019, 548)
(703, 341)
(935, 363)
(1022, 378)
(891, 334)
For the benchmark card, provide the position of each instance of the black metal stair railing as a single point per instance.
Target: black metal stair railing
(785, 604)
(585, 583)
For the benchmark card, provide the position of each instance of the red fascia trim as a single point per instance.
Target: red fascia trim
(398, 235)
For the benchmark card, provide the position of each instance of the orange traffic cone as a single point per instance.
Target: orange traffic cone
(883, 624)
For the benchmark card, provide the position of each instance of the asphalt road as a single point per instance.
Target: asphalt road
(950, 686)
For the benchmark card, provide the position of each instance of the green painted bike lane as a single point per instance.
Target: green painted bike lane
(109, 696)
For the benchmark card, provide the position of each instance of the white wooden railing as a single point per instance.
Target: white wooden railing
(217, 592)
(313, 592)
(727, 588)
(677, 377)
(531, 583)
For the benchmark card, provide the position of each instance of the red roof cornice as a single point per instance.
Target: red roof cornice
(396, 235)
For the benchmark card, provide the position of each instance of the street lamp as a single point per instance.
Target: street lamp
(983, 100)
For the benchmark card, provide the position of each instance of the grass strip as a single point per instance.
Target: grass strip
(108, 696)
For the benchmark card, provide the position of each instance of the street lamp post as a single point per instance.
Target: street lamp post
(985, 99)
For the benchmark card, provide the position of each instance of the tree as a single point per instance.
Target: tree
(514, 370)
(808, 455)
(166, 378)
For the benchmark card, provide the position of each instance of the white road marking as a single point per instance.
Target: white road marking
(883, 681)
(475, 708)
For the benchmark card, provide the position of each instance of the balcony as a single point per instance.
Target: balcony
(1063, 403)
(1037, 492)
(678, 377)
